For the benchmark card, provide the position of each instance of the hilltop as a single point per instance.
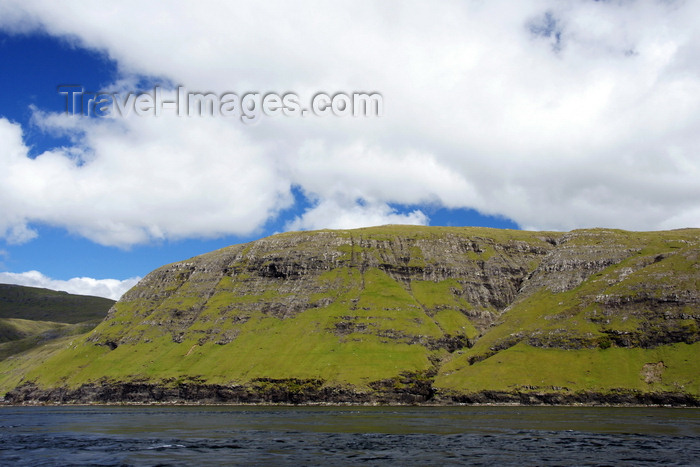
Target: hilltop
(396, 314)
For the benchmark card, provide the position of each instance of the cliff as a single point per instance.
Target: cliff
(396, 314)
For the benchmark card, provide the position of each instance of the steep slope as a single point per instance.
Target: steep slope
(397, 314)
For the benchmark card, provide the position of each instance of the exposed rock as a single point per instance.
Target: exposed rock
(436, 296)
(651, 372)
(408, 389)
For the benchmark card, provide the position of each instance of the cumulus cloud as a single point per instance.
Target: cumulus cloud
(343, 213)
(108, 288)
(129, 181)
(556, 114)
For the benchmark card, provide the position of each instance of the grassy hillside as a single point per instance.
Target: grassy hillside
(24, 335)
(32, 303)
(398, 313)
(31, 317)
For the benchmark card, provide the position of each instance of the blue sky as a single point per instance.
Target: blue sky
(548, 115)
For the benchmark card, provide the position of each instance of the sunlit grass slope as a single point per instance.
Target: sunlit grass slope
(471, 309)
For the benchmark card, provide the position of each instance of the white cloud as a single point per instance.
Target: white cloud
(376, 174)
(138, 179)
(343, 213)
(108, 288)
(556, 114)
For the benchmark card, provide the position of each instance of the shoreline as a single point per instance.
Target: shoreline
(330, 405)
(145, 394)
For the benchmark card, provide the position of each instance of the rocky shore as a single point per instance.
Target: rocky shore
(311, 392)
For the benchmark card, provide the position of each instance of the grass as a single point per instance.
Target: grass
(454, 323)
(577, 370)
(29, 334)
(16, 329)
(367, 318)
(14, 369)
(267, 347)
(37, 304)
(436, 295)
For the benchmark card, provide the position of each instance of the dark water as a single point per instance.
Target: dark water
(349, 436)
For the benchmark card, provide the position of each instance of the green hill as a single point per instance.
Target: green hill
(396, 314)
(32, 303)
(32, 317)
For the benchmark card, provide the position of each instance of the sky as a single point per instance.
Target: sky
(538, 115)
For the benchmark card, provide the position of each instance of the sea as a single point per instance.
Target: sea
(330, 436)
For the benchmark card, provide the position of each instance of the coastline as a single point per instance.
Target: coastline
(142, 394)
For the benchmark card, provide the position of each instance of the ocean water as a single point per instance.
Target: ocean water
(274, 435)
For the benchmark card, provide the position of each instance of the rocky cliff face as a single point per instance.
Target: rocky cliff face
(285, 274)
(405, 310)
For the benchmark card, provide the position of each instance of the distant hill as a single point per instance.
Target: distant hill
(32, 303)
(396, 314)
(32, 317)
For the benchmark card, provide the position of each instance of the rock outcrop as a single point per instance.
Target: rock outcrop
(396, 314)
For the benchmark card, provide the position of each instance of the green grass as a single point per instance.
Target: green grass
(577, 370)
(29, 334)
(13, 370)
(37, 304)
(15, 329)
(267, 347)
(372, 316)
(579, 314)
(454, 323)
(438, 295)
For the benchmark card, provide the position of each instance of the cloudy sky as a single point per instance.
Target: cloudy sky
(541, 114)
